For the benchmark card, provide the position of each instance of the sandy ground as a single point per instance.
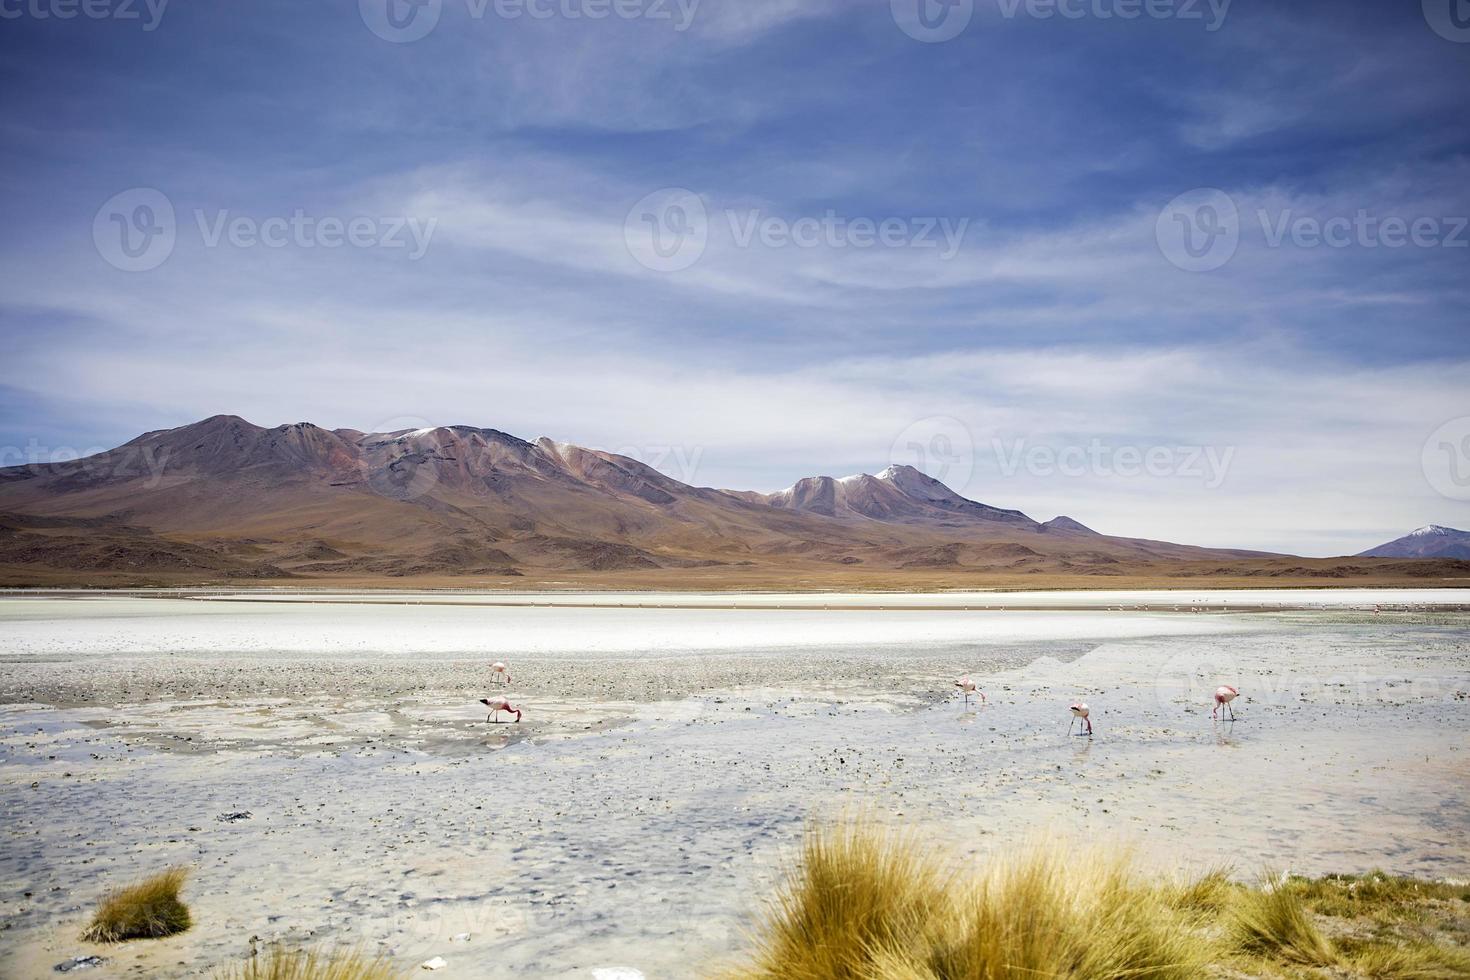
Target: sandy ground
(669, 758)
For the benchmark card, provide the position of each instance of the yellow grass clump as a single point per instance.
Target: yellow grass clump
(863, 905)
(149, 909)
(283, 964)
(1272, 920)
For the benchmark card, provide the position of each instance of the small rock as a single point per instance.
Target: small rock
(463, 937)
(79, 963)
(437, 963)
(234, 817)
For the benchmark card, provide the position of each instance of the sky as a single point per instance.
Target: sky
(1193, 270)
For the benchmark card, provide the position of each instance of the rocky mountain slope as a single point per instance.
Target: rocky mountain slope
(1432, 541)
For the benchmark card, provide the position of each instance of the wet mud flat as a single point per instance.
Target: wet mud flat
(327, 790)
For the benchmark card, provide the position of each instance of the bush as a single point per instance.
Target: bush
(149, 909)
(861, 905)
(1273, 921)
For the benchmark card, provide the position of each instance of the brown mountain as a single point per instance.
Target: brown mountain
(225, 500)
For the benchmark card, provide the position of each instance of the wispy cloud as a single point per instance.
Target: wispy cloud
(1052, 318)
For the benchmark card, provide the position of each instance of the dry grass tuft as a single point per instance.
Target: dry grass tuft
(284, 964)
(1377, 896)
(1273, 921)
(1406, 961)
(865, 906)
(1045, 913)
(853, 894)
(149, 909)
(1209, 894)
(862, 905)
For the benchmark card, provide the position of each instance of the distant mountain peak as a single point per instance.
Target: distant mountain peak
(898, 494)
(1429, 541)
(1064, 523)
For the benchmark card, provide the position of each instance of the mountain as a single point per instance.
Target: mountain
(1432, 541)
(898, 495)
(1065, 523)
(226, 500)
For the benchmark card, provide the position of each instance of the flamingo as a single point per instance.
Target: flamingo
(497, 705)
(969, 687)
(1224, 694)
(500, 672)
(1080, 710)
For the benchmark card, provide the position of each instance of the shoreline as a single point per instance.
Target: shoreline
(1202, 600)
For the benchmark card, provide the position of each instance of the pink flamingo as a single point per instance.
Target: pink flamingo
(1080, 710)
(500, 672)
(1224, 694)
(969, 687)
(497, 705)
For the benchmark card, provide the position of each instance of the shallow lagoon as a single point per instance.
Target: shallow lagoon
(670, 756)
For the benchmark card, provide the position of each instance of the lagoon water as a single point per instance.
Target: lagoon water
(671, 751)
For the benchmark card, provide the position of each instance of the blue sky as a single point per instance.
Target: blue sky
(506, 174)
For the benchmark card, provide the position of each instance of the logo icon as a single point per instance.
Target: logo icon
(1450, 19)
(1199, 231)
(940, 446)
(1446, 459)
(400, 21)
(932, 21)
(668, 230)
(135, 230)
(1190, 678)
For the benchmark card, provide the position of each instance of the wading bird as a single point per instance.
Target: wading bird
(1224, 694)
(1080, 710)
(497, 705)
(500, 672)
(969, 687)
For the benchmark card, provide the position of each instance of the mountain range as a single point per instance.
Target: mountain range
(226, 500)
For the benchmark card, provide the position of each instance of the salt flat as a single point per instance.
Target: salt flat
(670, 756)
